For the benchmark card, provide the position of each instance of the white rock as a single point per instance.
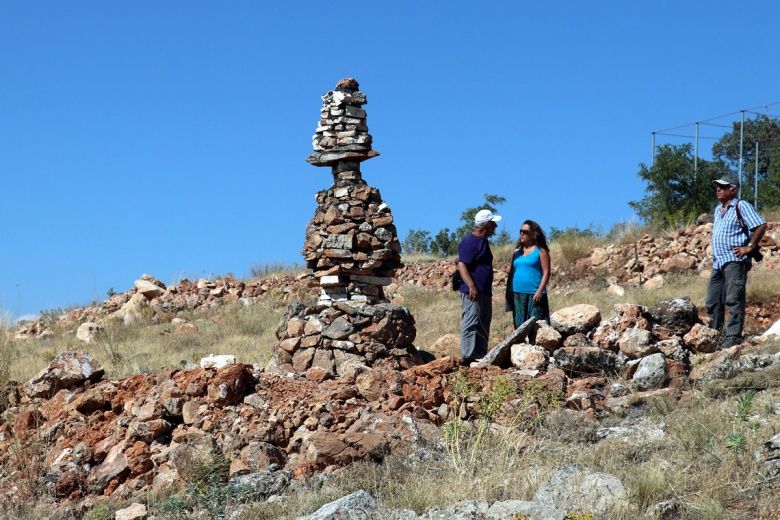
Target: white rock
(87, 331)
(217, 361)
(133, 310)
(773, 331)
(133, 512)
(656, 282)
(547, 337)
(577, 318)
(652, 372)
(579, 488)
(529, 357)
(149, 289)
(351, 507)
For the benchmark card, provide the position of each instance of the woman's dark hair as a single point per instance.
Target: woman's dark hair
(537, 235)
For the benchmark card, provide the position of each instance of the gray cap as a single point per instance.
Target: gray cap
(726, 181)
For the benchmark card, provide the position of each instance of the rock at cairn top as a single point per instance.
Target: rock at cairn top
(342, 133)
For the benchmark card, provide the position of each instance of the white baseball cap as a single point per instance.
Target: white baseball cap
(485, 215)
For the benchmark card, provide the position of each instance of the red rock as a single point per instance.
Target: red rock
(139, 459)
(231, 384)
(26, 421)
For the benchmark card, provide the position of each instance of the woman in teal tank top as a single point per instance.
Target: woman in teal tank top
(526, 288)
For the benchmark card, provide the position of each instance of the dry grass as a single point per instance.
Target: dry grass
(438, 313)
(568, 249)
(763, 285)
(248, 332)
(275, 269)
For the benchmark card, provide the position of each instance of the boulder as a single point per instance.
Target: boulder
(114, 466)
(768, 456)
(720, 365)
(546, 337)
(134, 310)
(636, 343)
(263, 483)
(446, 345)
(217, 361)
(529, 357)
(772, 332)
(148, 289)
(578, 361)
(673, 349)
(231, 384)
(677, 315)
(66, 370)
(656, 282)
(579, 488)
(355, 506)
(577, 318)
(260, 456)
(701, 338)
(625, 316)
(134, 512)
(87, 331)
(651, 372)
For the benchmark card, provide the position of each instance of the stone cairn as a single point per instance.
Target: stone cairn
(353, 251)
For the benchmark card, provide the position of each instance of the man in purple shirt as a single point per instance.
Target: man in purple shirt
(475, 264)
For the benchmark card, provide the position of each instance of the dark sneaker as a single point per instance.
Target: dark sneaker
(729, 342)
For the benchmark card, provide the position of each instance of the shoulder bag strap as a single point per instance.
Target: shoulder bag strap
(741, 220)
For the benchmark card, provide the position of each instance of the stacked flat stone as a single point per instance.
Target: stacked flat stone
(351, 244)
(353, 251)
(342, 134)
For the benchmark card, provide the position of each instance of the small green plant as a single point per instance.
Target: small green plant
(101, 512)
(578, 516)
(736, 442)
(745, 405)
(462, 386)
(534, 395)
(489, 404)
(463, 450)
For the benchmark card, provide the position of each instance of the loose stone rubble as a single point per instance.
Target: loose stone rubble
(117, 438)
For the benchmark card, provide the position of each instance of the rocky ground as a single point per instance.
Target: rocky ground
(75, 443)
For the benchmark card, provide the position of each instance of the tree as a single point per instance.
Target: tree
(765, 131)
(675, 193)
(445, 242)
(417, 241)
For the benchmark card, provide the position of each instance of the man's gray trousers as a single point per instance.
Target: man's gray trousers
(475, 326)
(726, 290)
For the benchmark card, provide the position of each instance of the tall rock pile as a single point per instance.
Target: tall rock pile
(353, 251)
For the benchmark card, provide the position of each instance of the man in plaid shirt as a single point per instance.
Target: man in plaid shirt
(732, 243)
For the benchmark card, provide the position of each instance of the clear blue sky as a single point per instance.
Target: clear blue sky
(169, 137)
